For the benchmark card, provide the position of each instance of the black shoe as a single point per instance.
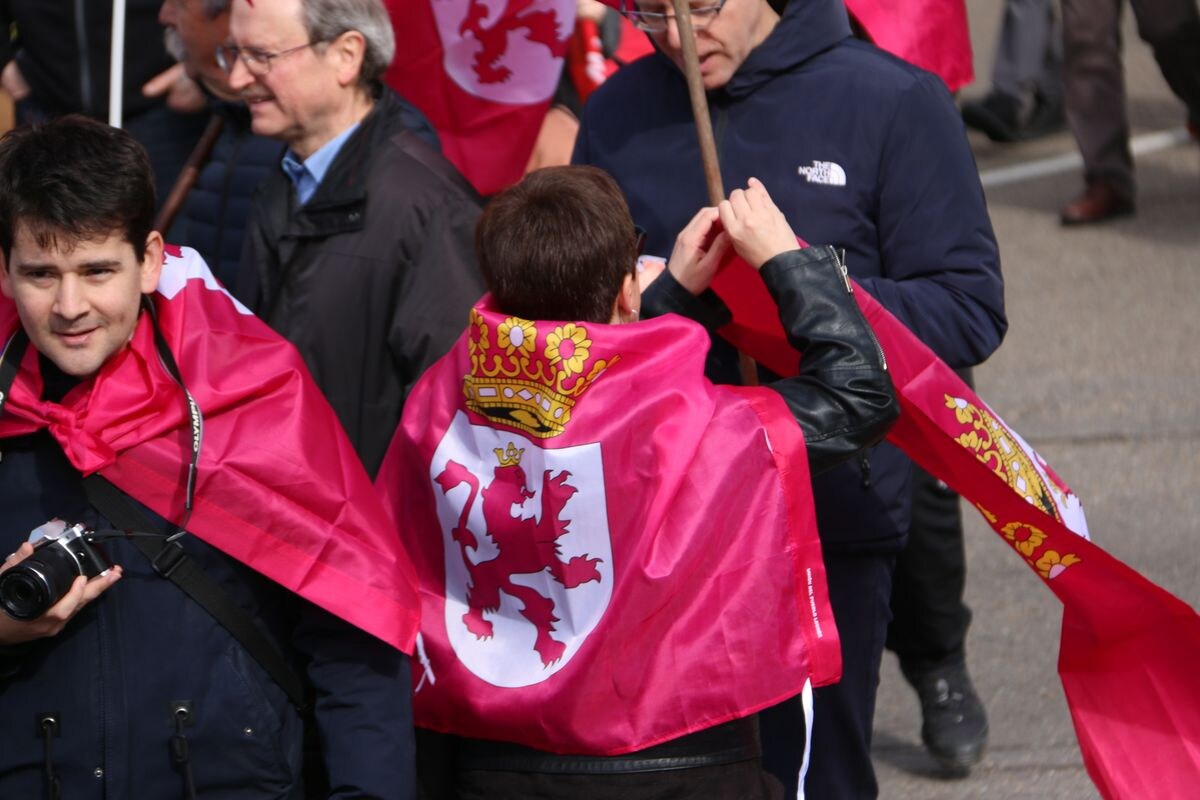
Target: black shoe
(954, 725)
(1046, 117)
(997, 115)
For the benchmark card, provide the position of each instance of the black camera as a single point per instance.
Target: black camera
(62, 553)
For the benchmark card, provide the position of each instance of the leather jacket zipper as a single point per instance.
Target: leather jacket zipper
(840, 256)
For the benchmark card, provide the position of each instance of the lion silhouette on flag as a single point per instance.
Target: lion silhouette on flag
(540, 25)
(525, 546)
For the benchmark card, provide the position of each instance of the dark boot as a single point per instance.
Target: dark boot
(954, 724)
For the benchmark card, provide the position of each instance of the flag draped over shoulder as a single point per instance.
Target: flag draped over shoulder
(932, 34)
(484, 74)
(612, 551)
(1129, 649)
(279, 486)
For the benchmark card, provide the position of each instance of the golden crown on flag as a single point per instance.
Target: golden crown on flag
(517, 381)
(510, 457)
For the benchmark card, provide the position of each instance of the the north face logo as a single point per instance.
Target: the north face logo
(824, 172)
(528, 562)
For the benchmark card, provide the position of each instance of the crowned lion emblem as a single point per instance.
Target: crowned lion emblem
(525, 546)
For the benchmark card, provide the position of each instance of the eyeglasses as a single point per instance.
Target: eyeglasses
(258, 62)
(653, 22)
(639, 242)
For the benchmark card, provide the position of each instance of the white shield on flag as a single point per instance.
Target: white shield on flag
(529, 570)
(502, 56)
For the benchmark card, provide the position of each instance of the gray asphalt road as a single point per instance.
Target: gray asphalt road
(1100, 371)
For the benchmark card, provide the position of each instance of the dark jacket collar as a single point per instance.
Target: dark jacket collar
(339, 204)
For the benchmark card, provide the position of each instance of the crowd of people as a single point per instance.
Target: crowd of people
(351, 482)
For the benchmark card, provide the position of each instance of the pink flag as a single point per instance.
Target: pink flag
(612, 551)
(932, 34)
(483, 73)
(1129, 649)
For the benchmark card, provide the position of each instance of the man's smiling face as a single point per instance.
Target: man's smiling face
(79, 300)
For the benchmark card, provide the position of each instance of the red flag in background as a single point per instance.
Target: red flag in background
(612, 551)
(279, 487)
(932, 34)
(483, 73)
(1129, 650)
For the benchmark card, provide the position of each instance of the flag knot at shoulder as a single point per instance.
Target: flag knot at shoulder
(529, 375)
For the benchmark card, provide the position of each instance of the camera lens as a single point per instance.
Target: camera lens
(24, 594)
(30, 588)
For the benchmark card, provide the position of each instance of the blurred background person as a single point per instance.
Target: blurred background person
(213, 217)
(57, 62)
(1094, 79)
(1026, 98)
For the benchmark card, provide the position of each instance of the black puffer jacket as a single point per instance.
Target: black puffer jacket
(213, 220)
(373, 277)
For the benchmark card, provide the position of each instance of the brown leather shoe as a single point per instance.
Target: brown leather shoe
(1099, 202)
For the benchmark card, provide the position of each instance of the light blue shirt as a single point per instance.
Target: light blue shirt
(307, 175)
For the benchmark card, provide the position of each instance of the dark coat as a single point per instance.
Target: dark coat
(861, 151)
(112, 674)
(373, 278)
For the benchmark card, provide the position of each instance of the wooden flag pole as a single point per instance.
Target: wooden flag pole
(187, 177)
(708, 145)
(695, 84)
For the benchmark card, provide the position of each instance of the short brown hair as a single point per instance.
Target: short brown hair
(77, 178)
(557, 245)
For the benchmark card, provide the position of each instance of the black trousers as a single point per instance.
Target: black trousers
(840, 765)
(929, 618)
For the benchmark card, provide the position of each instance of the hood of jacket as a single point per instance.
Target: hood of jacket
(806, 29)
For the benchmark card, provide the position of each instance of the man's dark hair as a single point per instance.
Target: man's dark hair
(74, 178)
(557, 245)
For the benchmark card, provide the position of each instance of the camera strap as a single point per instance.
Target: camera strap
(171, 562)
(10, 362)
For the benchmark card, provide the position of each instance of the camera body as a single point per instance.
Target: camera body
(61, 553)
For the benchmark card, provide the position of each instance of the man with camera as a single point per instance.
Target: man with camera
(151, 429)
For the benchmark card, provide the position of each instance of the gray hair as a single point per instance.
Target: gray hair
(328, 19)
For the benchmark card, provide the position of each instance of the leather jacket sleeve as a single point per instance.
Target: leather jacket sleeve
(843, 398)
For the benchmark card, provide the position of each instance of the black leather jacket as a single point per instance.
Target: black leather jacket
(843, 398)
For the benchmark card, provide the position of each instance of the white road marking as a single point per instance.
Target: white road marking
(1042, 167)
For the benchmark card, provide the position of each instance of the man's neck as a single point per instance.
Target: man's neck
(352, 114)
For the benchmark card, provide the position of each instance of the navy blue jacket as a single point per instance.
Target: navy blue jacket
(861, 151)
(112, 673)
(213, 220)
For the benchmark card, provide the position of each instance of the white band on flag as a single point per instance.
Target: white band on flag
(427, 673)
(806, 700)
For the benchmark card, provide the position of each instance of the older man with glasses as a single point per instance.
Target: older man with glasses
(867, 154)
(359, 247)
